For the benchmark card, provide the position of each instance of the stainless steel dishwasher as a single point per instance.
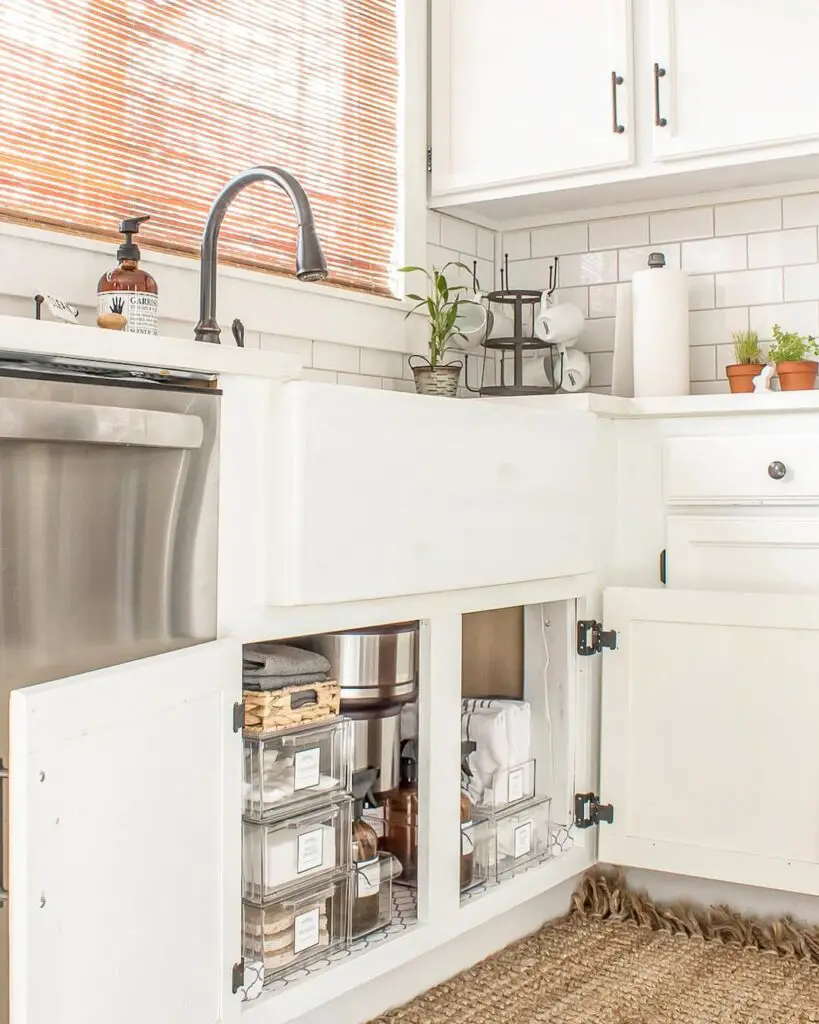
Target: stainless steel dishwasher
(108, 519)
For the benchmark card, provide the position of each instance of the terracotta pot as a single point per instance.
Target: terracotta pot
(741, 376)
(798, 376)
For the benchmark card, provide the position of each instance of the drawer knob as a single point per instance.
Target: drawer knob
(777, 470)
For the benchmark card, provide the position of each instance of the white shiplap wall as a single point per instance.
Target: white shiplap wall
(751, 264)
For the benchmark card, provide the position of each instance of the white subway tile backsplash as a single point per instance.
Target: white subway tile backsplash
(433, 228)
(560, 240)
(375, 363)
(588, 268)
(618, 232)
(458, 235)
(713, 255)
(679, 225)
(709, 387)
(725, 357)
(749, 287)
(703, 362)
(800, 211)
(516, 245)
(302, 348)
(357, 380)
(632, 260)
(701, 292)
(320, 376)
(782, 248)
(791, 316)
(602, 300)
(531, 273)
(715, 326)
(329, 356)
(597, 336)
(486, 244)
(577, 296)
(391, 384)
(601, 363)
(741, 218)
(802, 283)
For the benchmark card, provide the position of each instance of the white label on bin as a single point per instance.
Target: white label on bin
(523, 839)
(368, 874)
(310, 850)
(306, 928)
(306, 772)
(467, 842)
(516, 784)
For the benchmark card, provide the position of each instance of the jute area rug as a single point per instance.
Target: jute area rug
(617, 958)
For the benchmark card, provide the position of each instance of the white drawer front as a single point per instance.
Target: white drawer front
(742, 470)
(757, 554)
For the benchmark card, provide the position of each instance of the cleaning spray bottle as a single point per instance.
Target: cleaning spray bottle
(127, 297)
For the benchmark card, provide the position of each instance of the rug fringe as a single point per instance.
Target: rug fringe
(604, 894)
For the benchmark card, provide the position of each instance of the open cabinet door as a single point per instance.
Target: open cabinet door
(125, 843)
(709, 752)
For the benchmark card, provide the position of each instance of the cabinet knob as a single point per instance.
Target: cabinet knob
(777, 470)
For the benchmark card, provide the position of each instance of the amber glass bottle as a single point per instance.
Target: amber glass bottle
(401, 816)
(367, 879)
(128, 290)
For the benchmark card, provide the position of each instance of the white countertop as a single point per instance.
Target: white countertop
(51, 338)
(679, 405)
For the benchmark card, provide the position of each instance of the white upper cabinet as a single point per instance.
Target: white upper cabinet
(709, 719)
(737, 76)
(124, 843)
(524, 89)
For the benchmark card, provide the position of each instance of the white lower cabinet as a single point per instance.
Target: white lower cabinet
(709, 720)
(125, 843)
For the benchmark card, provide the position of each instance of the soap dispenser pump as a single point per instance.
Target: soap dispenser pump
(128, 292)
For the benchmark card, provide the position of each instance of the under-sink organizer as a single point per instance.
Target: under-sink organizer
(286, 851)
(286, 768)
(275, 710)
(507, 842)
(507, 787)
(305, 923)
(371, 895)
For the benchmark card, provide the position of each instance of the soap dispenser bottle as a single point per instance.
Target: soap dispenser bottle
(401, 815)
(128, 291)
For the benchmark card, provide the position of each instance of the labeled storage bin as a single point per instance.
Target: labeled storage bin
(371, 898)
(288, 767)
(508, 786)
(287, 851)
(303, 925)
(512, 840)
(473, 867)
(275, 710)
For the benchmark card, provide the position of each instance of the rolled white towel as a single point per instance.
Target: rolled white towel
(560, 323)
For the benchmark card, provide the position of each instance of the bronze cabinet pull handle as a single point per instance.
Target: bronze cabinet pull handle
(616, 127)
(659, 73)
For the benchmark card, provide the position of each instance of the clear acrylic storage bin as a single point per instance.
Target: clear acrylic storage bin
(504, 788)
(398, 838)
(512, 839)
(473, 866)
(282, 853)
(304, 925)
(286, 768)
(371, 898)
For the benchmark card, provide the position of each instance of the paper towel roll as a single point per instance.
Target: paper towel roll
(660, 317)
(622, 372)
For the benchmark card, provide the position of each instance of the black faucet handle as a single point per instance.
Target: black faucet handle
(238, 330)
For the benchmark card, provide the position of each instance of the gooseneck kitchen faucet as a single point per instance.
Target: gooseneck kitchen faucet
(310, 262)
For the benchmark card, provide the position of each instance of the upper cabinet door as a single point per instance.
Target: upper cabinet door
(737, 76)
(710, 714)
(523, 90)
(125, 843)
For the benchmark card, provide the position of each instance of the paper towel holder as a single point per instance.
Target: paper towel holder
(656, 260)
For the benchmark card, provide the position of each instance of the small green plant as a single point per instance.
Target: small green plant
(443, 307)
(746, 347)
(790, 347)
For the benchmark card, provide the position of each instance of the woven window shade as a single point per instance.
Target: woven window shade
(110, 108)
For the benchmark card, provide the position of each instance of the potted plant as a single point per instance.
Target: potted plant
(791, 353)
(443, 307)
(748, 363)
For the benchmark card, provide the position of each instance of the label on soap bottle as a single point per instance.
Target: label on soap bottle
(140, 309)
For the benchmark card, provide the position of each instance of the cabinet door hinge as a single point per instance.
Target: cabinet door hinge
(238, 976)
(238, 717)
(589, 811)
(592, 638)
(429, 158)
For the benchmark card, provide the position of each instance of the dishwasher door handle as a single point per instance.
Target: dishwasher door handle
(28, 419)
(4, 893)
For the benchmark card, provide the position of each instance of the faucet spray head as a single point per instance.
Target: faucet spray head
(310, 262)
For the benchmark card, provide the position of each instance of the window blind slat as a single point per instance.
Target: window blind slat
(108, 109)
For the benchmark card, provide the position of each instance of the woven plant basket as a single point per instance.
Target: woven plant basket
(435, 380)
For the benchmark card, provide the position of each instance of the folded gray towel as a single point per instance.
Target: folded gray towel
(268, 659)
(279, 682)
